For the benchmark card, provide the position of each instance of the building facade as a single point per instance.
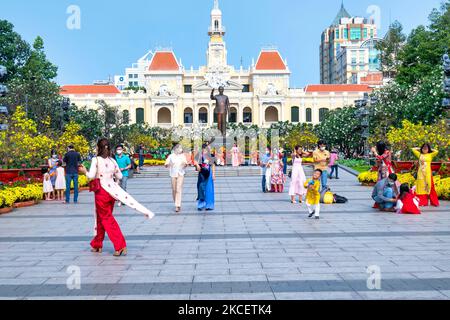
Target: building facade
(347, 51)
(173, 96)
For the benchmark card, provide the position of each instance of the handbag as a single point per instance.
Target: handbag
(94, 185)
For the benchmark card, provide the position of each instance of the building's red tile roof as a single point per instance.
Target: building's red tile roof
(375, 78)
(89, 89)
(270, 60)
(338, 88)
(164, 61)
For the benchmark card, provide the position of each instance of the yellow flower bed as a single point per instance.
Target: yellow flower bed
(368, 177)
(152, 162)
(442, 187)
(10, 196)
(82, 182)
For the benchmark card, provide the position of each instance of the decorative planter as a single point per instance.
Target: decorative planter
(6, 210)
(24, 204)
(368, 184)
(404, 166)
(7, 175)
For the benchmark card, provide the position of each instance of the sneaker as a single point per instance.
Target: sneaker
(311, 214)
(317, 218)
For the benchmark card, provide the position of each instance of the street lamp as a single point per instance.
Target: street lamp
(65, 107)
(446, 100)
(3, 92)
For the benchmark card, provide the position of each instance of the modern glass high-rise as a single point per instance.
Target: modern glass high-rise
(345, 31)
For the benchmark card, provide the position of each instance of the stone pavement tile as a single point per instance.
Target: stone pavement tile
(402, 295)
(234, 296)
(158, 279)
(76, 298)
(150, 297)
(432, 275)
(335, 295)
(229, 278)
(22, 281)
(303, 277)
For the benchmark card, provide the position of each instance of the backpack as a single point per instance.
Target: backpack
(340, 199)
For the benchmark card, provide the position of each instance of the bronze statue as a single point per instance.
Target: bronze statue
(222, 109)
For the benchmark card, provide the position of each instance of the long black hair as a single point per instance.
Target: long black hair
(404, 188)
(429, 148)
(381, 147)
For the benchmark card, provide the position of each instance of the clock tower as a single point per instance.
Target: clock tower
(217, 52)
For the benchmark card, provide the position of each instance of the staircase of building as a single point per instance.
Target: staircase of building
(244, 171)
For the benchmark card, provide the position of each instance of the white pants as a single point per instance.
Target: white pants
(312, 208)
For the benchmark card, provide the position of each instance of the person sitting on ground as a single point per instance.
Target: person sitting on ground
(407, 203)
(385, 193)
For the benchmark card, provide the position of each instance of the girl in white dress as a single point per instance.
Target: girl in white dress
(60, 183)
(47, 185)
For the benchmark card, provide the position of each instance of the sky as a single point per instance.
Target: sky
(114, 34)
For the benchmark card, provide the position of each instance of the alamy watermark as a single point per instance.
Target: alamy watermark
(374, 12)
(74, 20)
(374, 279)
(73, 282)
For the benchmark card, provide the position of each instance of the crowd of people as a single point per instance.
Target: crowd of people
(110, 168)
(389, 195)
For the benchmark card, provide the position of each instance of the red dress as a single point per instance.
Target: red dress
(410, 204)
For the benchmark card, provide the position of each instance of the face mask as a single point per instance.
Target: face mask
(119, 152)
(390, 183)
(322, 149)
(55, 156)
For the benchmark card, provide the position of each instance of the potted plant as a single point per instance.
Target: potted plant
(7, 200)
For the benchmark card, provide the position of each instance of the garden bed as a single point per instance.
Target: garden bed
(6, 210)
(8, 175)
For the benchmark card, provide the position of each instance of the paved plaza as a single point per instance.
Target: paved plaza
(254, 246)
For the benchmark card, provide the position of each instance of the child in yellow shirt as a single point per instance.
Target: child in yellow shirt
(313, 194)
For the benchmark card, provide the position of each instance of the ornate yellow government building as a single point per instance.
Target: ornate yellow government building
(174, 96)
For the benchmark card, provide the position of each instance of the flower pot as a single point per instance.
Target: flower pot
(24, 204)
(7, 175)
(368, 184)
(6, 210)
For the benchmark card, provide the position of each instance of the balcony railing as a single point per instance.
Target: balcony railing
(217, 30)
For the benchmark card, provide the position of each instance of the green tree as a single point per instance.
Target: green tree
(14, 51)
(90, 121)
(31, 83)
(341, 129)
(389, 49)
(425, 46)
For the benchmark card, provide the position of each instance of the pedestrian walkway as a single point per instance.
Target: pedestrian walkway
(254, 246)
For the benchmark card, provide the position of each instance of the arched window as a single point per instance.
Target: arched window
(203, 115)
(248, 118)
(164, 116)
(232, 117)
(271, 114)
(295, 114)
(140, 115)
(188, 116)
(308, 115)
(126, 117)
(322, 113)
